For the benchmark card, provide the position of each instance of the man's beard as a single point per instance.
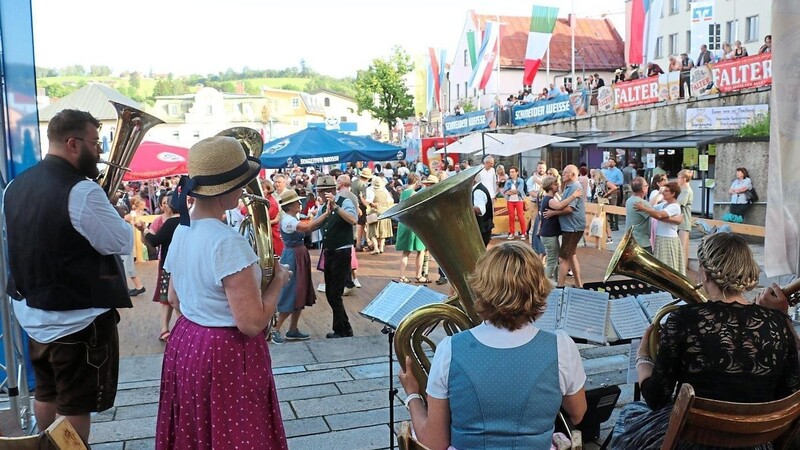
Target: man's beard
(87, 163)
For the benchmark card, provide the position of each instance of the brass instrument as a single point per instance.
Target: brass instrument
(255, 227)
(456, 251)
(132, 125)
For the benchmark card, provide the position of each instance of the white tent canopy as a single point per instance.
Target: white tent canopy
(501, 144)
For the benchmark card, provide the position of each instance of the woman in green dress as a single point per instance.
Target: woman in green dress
(407, 241)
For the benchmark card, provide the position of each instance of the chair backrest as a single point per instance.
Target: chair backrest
(406, 441)
(728, 424)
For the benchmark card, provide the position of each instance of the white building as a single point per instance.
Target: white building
(341, 113)
(748, 21)
(598, 49)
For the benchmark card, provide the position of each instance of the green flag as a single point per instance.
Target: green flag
(473, 57)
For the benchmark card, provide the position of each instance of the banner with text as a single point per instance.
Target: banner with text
(724, 117)
(469, 122)
(605, 99)
(732, 75)
(543, 110)
(635, 93)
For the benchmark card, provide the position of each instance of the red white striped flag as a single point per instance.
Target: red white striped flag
(543, 21)
(487, 56)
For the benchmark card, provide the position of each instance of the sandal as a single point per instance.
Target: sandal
(374, 252)
(164, 336)
(404, 280)
(423, 280)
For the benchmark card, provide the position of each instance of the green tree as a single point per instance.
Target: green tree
(73, 70)
(135, 80)
(99, 71)
(45, 72)
(170, 86)
(58, 90)
(382, 91)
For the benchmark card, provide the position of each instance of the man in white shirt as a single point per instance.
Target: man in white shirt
(66, 278)
(534, 183)
(489, 177)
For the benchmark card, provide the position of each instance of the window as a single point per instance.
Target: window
(673, 7)
(295, 103)
(731, 31)
(673, 44)
(173, 110)
(209, 110)
(689, 42)
(343, 119)
(688, 5)
(295, 123)
(466, 57)
(752, 29)
(458, 91)
(327, 101)
(466, 89)
(659, 47)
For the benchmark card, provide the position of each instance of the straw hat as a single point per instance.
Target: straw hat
(326, 182)
(366, 174)
(432, 179)
(218, 165)
(288, 197)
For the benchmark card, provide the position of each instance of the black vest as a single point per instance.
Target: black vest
(52, 266)
(485, 222)
(336, 232)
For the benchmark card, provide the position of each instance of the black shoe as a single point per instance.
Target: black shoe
(441, 281)
(135, 292)
(335, 335)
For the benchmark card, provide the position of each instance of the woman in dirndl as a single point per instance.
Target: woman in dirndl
(299, 291)
(408, 241)
(378, 232)
(217, 388)
(159, 234)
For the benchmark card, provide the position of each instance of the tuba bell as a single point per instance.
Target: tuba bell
(132, 125)
(255, 227)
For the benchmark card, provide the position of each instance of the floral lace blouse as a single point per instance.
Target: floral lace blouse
(726, 351)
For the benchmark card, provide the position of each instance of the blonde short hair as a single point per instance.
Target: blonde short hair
(728, 261)
(510, 286)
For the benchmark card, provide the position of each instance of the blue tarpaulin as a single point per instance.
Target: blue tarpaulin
(314, 146)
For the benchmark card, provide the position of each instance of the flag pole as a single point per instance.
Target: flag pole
(572, 21)
(497, 75)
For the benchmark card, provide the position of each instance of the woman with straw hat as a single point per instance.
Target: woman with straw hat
(217, 386)
(299, 291)
(378, 232)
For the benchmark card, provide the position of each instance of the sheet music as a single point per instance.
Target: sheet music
(627, 317)
(651, 303)
(397, 300)
(633, 374)
(548, 321)
(586, 314)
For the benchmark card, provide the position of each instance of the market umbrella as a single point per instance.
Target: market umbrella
(319, 146)
(156, 160)
(522, 142)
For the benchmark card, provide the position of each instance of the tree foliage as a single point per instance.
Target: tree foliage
(382, 90)
(756, 128)
(99, 71)
(135, 80)
(170, 86)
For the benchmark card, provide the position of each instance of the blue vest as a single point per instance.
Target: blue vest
(503, 398)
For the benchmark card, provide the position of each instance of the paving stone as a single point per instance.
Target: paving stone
(139, 384)
(137, 396)
(372, 370)
(105, 416)
(368, 384)
(360, 401)
(288, 369)
(295, 354)
(365, 418)
(348, 363)
(287, 413)
(369, 438)
(140, 368)
(311, 378)
(110, 446)
(302, 392)
(344, 349)
(140, 444)
(303, 427)
(123, 430)
(136, 411)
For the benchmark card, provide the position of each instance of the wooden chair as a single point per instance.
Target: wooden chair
(728, 424)
(406, 441)
(58, 436)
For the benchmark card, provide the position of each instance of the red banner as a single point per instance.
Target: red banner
(743, 73)
(634, 93)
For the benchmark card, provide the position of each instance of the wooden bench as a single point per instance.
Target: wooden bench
(727, 424)
(58, 436)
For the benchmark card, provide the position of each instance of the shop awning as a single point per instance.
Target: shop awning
(582, 138)
(667, 139)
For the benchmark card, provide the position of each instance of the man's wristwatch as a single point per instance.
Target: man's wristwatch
(335, 209)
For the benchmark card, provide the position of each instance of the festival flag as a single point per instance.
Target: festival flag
(434, 82)
(643, 26)
(543, 21)
(473, 56)
(487, 56)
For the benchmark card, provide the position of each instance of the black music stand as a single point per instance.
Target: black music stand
(390, 307)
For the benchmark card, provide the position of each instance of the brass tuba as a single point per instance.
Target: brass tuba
(132, 125)
(633, 261)
(457, 251)
(256, 226)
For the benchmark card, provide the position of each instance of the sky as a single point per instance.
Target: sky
(203, 36)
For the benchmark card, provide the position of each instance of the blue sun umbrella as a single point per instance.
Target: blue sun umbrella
(315, 146)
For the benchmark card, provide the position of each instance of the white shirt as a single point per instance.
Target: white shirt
(664, 228)
(571, 376)
(479, 200)
(234, 217)
(93, 217)
(289, 224)
(489, 180)
(370, 194)
(200, 256)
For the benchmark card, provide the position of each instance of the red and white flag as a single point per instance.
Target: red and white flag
(543, 21)
(487, 56)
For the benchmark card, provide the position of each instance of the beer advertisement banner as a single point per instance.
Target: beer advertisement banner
(605, 99)
(469, 122)
(555, 108)
(700, 81)
(743, 73)
(674, 85)
(635, 93)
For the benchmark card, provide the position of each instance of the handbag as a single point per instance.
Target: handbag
(372, 218)
(597, 227)
(751, 195)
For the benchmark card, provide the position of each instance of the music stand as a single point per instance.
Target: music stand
(390, 307)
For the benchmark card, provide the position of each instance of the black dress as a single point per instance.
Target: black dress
(726, 351)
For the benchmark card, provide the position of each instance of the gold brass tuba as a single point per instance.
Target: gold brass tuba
(132, 125)
(456, 251)
(633, 261)
(256, 226)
